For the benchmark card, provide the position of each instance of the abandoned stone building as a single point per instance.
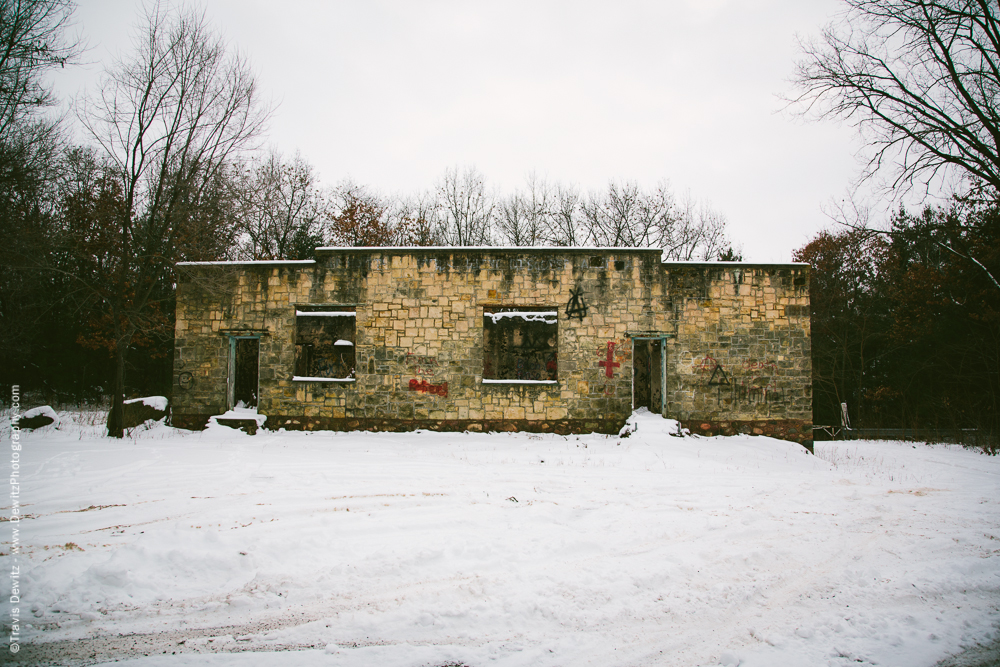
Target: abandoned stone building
(492, 339)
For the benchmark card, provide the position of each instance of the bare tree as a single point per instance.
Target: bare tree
(31, 41)
(167, 121)
(564, 226)
(698, 233)
(280, 209)
(920, 79)
(523, 217)
(466, 208)
(625, 216)
(418, 219)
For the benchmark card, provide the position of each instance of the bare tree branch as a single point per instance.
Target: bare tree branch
(523, 216)
(921, 81)
(31, 42)
(279, 208)
(167, 121)
(467, 208)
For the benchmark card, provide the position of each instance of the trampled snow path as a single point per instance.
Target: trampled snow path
(425, 549)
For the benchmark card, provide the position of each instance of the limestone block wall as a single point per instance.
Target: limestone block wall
(741, 361)
(200, 351)
(216, 300)
(419, 336)
(737, 339)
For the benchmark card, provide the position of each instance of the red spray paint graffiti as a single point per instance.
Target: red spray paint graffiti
(752, 366)
(706, 364)
(425, 387)
(609, 363)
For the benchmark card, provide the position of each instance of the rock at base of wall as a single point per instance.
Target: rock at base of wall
(610, 426)
(792, 430)
(248, 426)
(137, 410)
(38, 417)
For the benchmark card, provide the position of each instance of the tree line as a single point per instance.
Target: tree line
(906, 324)
(278, 209)
(906, 315)
(906, 329)
(172, 170)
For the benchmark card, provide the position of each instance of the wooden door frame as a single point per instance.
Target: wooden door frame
(663, 366)
(231, 378)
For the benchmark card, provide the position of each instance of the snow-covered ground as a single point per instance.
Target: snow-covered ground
(426, 549)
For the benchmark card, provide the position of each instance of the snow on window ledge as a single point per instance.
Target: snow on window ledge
(325, 313)
(305, 378)
(491, 381)
(547, 316)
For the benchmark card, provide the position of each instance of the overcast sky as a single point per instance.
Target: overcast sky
(391, 94)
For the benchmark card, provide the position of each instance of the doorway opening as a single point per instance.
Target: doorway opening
(244, 371)
(647, 373)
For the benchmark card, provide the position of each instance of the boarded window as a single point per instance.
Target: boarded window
(324, 344)
(520, 345)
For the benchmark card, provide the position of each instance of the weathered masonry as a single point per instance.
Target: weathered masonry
(542, 339)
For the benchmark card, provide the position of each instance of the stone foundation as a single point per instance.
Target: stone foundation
(293, 423)
(794, 430)
(560, 427)
(191, 422)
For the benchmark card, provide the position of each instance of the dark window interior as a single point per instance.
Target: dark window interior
(520, 344)
(324, 344)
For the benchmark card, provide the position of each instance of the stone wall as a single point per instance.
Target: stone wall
(419, 339)
(741, 361)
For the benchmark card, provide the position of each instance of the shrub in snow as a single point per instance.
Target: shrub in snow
(38, 417)
(138, 410)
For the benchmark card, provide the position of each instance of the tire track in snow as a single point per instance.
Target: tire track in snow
(227, 638)
(730, 629)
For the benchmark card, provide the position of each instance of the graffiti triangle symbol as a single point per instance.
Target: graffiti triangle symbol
(720, 374)
(576, 306)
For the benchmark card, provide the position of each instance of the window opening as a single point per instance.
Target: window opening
(324, 345)
(520, 345)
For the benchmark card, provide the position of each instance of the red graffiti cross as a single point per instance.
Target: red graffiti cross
(610, 365)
